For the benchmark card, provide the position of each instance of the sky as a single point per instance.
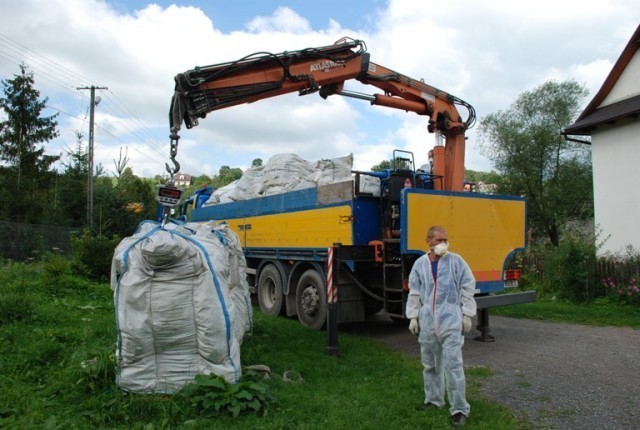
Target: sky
(485, 52)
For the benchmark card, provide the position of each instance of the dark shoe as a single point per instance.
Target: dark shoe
(425, 406)
(458, 420)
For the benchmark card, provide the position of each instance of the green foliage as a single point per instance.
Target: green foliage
(20, 242)
(98, 372)
(92, 253)
(619, 275)
(15, 306)
(211, 395)
(567, 270)
(27, 179)
(57, 372)
(71, 206)
(534, 160)
(56, 268)
(226, 175)
(382, 166)
(600, 312)
(399, 163)
(484, 177)
(198, 182)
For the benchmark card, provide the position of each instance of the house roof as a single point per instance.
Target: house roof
(592, 116)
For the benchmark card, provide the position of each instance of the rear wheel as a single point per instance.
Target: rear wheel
(311, 300)
(270, 296)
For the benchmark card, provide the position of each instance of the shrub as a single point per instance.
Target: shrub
(15, 306)
(97, 373)
(92, 254)
(56, 271)
(566, 271)
(619, 276)
(212, 395)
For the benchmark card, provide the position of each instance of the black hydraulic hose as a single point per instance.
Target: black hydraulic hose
(362, 287)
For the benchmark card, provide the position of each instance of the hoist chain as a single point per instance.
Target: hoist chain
(173, 151)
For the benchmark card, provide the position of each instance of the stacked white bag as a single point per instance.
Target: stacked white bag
(182, 305)
(281, 174)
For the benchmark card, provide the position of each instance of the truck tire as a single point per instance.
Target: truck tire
(270, 296)
(311, 300)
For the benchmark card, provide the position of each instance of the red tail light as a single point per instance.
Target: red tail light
(512, 275)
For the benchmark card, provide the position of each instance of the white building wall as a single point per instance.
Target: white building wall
(627, 85)
(616, 185)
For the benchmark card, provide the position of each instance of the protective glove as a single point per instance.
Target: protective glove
(414, 327)
(466, 324)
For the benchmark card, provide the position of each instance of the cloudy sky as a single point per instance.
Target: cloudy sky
(485, 52)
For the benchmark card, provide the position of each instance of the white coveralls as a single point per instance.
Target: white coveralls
(439, 307)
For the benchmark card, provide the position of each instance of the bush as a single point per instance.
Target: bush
(92, 254)
(20, 241)
(619, 277)
(566, 271)
(212, 395)
(15, 306)
(97, 373)
(56, 271)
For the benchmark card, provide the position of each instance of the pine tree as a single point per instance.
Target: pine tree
(22, 134)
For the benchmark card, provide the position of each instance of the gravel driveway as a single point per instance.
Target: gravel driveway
(554, 375)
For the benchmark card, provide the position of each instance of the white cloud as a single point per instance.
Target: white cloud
(282, 20)
(485, 52)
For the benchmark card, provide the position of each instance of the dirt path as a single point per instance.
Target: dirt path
(555, 375)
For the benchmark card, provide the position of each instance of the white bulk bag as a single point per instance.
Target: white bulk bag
(182, 306)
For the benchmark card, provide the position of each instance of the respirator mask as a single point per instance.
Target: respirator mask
(441, 249)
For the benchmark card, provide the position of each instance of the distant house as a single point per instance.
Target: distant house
(182, 179)
(612, 121)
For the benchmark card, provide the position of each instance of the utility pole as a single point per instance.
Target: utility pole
(94, 103)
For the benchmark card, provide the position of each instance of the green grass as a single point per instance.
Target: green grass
(57, 371)
(600, 312)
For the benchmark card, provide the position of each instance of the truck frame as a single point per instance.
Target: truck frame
(334, 244)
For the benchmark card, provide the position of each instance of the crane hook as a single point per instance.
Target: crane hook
(176, 168)
(173, 151)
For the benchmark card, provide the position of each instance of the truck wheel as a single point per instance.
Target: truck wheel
(270, 297)
(311, 300)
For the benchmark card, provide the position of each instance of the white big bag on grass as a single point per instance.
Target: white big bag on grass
(182, 305)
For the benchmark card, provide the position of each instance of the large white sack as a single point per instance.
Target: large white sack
(249, 184)
(283, 171)
(223, 194)
(182, 307)
(332, 170)
(281, 174)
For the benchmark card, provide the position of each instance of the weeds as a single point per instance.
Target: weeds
(212, 395)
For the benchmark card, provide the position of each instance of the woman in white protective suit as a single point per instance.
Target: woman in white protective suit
(440, 306)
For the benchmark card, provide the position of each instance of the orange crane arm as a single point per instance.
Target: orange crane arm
(323, 70)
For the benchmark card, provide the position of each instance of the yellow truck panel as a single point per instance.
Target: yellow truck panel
(483, 229)
(313, 228)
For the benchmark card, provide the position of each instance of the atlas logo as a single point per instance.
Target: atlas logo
(325, 65)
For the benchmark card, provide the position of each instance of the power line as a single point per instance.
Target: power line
(67, 79)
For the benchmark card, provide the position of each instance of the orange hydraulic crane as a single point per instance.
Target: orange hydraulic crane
(323, 70)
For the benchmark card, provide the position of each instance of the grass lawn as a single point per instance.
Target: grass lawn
(57, 339)
(601, 312)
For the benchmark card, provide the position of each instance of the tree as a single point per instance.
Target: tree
(383, 165)
(257, 162)
(485, 177)
(30, 177)
(72, 189)
(534, 160)
(226, 175)
(399, 163)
